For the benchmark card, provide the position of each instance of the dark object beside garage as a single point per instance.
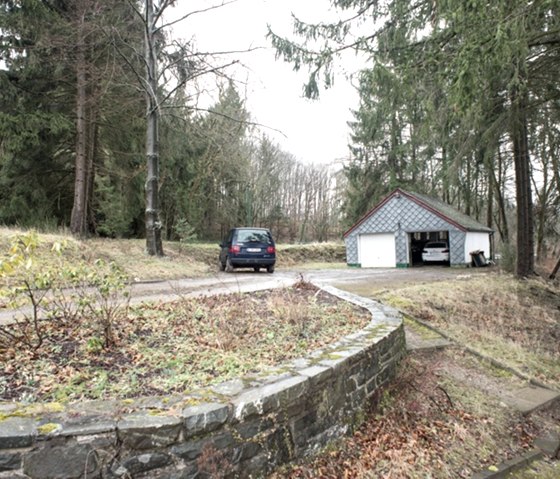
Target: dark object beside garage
(478, 260)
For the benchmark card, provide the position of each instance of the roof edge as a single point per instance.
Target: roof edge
(398, 191)
(371, 211)
(430, 208)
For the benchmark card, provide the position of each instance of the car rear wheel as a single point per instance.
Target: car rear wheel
(270, 269)
(256, 269)
(229, 266)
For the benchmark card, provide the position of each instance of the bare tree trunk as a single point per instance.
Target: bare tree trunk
(490, 203)
(468, 187)
(78, 220)
(555, 270)
(498, 185)
(525, 240)
(93, 113)
(154, 244)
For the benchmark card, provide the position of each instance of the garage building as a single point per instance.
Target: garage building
(394, 232)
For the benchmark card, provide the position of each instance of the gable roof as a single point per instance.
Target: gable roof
(445, 211)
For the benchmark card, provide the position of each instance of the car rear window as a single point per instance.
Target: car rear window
(436, 245)
(253, 236)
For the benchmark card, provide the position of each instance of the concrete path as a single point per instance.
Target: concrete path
(417, 342)
(531, 398)
(524, 397)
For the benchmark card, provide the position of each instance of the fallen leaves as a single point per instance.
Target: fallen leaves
(414, 431)
(175, 346)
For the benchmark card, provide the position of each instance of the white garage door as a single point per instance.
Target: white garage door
(377, 250)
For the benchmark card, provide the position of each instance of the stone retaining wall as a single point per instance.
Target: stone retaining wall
(242, 428)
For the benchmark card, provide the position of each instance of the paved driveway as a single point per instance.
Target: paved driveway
(247, 280)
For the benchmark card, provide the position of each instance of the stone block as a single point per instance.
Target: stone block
(274, 376)
(8, 407)
(180, 471)
(191, 450)
(143, 431)
(299, 363)
(142, 463)
(358, 398)
(305, 427)
(62, 460)
(253, 427)
(279, 446)
(90, 425)
(255, 466)
(99, 441)
(549, 444)
(229, 388)
(204, 418)
(317, 442)
(17, 432)
(358, 372)
(245, 451)
(371, 368)
(337, 362)
(98, 407)
(10, 461)
(317, 374)
(371, 386)
(271, 396)
(350, 385)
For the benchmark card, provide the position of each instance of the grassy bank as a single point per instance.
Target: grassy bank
(517, 322)
(181, 259)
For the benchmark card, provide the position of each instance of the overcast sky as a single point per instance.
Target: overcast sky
(315, 131)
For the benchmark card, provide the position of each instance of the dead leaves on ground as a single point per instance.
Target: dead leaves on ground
(173, 347)
(420, 427)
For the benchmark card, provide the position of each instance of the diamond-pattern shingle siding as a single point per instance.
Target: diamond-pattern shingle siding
(401, 216)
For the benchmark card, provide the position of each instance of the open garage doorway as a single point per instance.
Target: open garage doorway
(418, 240)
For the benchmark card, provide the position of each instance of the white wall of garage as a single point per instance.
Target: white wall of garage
(377, 250)
(474, 242)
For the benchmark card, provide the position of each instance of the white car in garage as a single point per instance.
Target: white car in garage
(435, 252)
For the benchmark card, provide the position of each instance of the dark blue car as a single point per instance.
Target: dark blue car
(248, 248)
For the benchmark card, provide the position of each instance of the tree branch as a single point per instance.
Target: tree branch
(184, 17)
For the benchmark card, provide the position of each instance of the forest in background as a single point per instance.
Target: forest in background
(459, 100)
(70, 71)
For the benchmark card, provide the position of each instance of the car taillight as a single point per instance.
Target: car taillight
(235, 249)
(271, 249)
(445, 251)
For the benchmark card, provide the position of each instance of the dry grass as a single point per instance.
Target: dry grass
(539, 470)
(515, 321)
(174, 347)
(181, 260)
